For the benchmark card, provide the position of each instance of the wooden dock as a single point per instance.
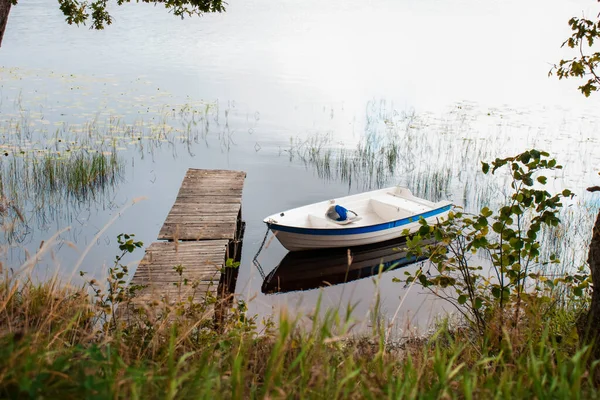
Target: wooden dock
(202, 231)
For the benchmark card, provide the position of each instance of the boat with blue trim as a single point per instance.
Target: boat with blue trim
(355, 220)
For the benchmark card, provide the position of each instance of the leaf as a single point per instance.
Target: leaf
(462, 299)
(497, 227)
(520, 197)
(485, 167)
(230, 263)
(486, 212)
(478, 303)
(424, 230)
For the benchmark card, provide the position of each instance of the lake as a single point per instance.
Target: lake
(284, 91)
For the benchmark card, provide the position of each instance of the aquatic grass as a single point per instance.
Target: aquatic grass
(368, 165)
(143, 130)
(80, 174)
(569, 240)
(33, 186)
(54, 161)
(438, 157)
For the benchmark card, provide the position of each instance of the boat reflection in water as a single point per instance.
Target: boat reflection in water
(307, 270)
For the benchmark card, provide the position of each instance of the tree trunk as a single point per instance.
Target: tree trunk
(5, 6)
(589, 326)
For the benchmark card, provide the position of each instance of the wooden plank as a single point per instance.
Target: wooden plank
(198, 293)
(188, 246)
(207, 206)
(191, 218)
(209, 191)
(216, 172)
(175, 260)
(152, 277)
(202, 264)
(197, 256)
(210, 182)
(189, 263)
(210, 197)
(162, 279)
(194, 233)
(197, 200)
(206, 215)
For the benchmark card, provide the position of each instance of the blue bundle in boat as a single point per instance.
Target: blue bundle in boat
(342, 213)
(337, 213)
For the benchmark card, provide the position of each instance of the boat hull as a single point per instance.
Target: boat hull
(299, 241)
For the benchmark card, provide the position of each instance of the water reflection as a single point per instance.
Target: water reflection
(305, 270)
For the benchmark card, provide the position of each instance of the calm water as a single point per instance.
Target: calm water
(474, 73)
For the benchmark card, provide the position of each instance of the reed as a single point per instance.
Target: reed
(438, 157)
(51, 348)
(51, 168)
(32, 185)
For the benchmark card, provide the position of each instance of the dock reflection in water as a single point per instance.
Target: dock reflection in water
(305, 270)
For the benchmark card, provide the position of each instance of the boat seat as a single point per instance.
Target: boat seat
(412, 205)
(389, 211)
(404, 193)
(317, 221)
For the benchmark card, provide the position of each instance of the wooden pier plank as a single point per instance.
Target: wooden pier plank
(200, 228)
(207, 206)
(201, 262)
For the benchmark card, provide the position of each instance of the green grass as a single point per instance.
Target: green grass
(53, 344)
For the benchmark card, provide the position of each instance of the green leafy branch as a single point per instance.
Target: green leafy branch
(585, 33)
(507, 239)
(80, 12)
(117, 290)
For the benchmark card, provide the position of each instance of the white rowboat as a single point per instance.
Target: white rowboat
(381, 215)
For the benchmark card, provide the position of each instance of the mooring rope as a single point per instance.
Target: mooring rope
(255, 259)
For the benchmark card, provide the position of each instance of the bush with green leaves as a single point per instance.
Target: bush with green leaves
(117, 290)
(506, 242)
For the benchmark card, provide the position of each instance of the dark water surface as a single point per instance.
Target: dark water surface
(458, 81)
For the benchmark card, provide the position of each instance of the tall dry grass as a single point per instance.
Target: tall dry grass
(54, 343)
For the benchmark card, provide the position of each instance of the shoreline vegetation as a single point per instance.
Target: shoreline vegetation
(56, 342)
(510, 258)
(59, 340)
(516, 337)
(92, 341)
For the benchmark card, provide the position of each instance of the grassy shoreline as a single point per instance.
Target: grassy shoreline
(514, 339)
(55, 343)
